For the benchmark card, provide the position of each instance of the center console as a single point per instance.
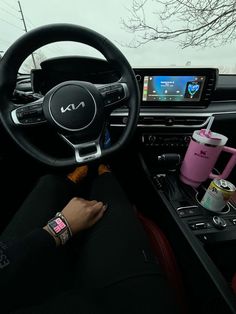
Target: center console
(174, 103)
(208, 226)
(211, 235)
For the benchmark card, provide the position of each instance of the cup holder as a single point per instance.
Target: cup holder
(224, 211)
(232, 204)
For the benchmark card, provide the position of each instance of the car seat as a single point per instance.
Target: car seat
(165, 255)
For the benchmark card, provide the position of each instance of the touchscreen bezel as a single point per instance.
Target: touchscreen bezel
(210, 74)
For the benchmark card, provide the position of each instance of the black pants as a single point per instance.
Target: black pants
(114, 255)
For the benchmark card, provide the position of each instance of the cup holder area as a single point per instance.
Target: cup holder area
(199, 193)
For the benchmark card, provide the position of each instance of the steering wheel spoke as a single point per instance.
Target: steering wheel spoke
(114, 95)
(30, 114)
(84, 152)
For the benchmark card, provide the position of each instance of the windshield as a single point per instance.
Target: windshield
(149, 33)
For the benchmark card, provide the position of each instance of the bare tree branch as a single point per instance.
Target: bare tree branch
(190, 22)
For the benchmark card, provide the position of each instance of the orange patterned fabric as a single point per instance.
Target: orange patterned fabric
(102, 169)
(78, 174)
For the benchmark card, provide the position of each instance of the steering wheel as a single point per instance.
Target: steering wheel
(76, 110)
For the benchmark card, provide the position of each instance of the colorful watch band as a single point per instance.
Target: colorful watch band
(60, 228)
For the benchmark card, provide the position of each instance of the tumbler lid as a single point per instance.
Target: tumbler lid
(212, 138)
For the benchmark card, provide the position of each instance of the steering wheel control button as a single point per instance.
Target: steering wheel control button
(112, 93)
(219, 222)
(72, 107)
(28, 114)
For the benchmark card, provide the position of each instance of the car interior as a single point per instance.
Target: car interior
(56, 118)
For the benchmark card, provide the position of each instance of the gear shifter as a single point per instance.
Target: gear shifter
(165, 163)
(169, 161)
(176, 194)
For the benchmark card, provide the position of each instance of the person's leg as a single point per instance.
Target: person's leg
(115, 254)
(49, 196)
(117, 246)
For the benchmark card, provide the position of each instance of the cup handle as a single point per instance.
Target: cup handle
(230, 165)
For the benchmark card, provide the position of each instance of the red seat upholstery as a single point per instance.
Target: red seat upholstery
(234, 283)
(166, 258)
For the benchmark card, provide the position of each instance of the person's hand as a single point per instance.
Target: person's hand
(82, 214)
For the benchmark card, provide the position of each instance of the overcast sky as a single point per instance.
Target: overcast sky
(104, 16)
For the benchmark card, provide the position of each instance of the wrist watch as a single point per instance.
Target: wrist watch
(60, 228)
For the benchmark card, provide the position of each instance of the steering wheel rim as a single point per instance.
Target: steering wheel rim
(35, 39)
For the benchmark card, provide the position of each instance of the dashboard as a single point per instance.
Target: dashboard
(172, 99)
(159, 87)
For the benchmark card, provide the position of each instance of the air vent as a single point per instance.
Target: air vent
(162, 121)
(173, 120)
(190, 121)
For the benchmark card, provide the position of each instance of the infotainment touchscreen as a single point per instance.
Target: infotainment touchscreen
(173, 88)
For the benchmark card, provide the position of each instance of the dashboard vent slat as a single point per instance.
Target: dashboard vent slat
(173, 120)
(163, 120)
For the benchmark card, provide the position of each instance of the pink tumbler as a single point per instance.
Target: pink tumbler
(201, 156)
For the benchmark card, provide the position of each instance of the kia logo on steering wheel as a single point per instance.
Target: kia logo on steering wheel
(72, 107)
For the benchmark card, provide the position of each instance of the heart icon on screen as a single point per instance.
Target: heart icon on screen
(193, 88)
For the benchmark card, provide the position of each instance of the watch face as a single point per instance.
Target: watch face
(57, 225)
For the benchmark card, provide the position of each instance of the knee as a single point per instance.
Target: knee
(48, 180)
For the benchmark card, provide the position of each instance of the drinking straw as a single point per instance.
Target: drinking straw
(208, 128)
